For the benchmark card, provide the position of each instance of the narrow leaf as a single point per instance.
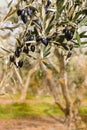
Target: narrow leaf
(78, 38)
(9, 4)
(5, 50)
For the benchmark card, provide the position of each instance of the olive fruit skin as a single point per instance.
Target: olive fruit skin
(12, 58)
(30, 38)
(48, 2)
(32, 48)
(69, 35)
(24, 18)
(49, 38)
(17, 54)
(46, 9)
(19, 11)
(38, 38)
(38, 22)
(44, 41)
(30, 11)
(18, 49)
(20, 63)
(23, 12)
(26, 49)
(69, 55)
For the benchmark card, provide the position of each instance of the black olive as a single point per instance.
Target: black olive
(69, 34)
(48, 2)
(17, 54)
(44, 41)
(30, 38)
(46, 9)
(49, 38)
(68, 55)
(28, 44)
(18, 49)
(26, 49)
(19, 11)
(38, 22)
(38, 38)
(30, 11)
(12, 58)
(24, 18)
(23, 12)
(32, 48)
(20, 63)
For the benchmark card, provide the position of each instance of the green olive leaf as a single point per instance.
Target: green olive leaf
(78, 38)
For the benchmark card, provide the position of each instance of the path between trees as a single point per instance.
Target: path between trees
(34, 123)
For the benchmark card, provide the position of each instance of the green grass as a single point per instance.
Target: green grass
(17, 110)
(83, 110)
(42, 108)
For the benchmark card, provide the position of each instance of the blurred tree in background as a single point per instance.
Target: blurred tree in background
(37, 40)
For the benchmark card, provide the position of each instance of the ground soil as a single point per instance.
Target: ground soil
(34, 123)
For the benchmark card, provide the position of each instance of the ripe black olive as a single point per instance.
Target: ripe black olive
(44, 41)
(48, 2)
(32, 48)
(18, 49)
(38, 22)
(24, 18)
(20, 63)
(26, 49)
(12, 58)
(29, 12)
(49, 38)
(17, 54)
(30, 38)
(69, 55)
(46, 9)
(19, 11)
(38, 38)
(23, 12)
(69, 34)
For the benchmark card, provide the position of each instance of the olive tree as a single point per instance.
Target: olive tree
(49, 30)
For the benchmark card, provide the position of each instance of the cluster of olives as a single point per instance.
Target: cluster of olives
(69, 32)
(28, 46)
(24, 13)
(21, 49)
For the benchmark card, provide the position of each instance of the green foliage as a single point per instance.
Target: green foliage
(83, 110)
(56, 23)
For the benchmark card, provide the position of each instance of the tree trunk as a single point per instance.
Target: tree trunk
(70, 109)
(25, 87)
